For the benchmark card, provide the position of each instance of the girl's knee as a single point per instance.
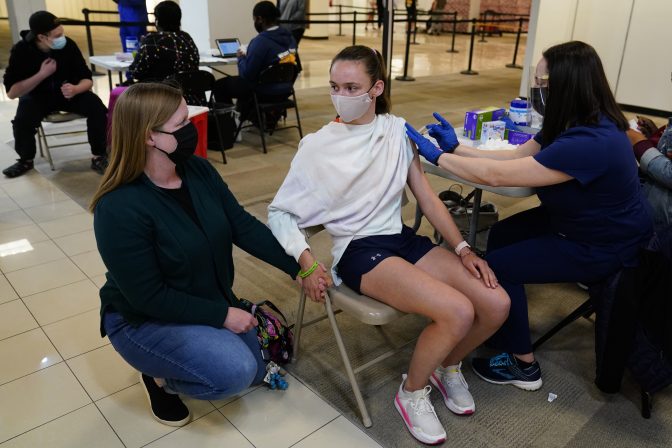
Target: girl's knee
(458, 315)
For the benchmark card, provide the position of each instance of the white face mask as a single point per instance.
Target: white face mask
(350, 108)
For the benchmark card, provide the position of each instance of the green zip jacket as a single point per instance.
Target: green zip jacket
(161, 265)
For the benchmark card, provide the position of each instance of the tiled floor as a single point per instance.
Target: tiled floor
(62, 385)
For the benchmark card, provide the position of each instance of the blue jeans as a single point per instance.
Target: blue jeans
(199, 361)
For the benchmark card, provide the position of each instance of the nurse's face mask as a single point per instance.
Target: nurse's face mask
(539, 89)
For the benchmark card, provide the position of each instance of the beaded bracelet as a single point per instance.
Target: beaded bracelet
(309, 271)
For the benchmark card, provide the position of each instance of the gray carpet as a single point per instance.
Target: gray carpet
(580, 417)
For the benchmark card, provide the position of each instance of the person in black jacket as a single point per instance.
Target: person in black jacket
(48, 73)
(273, 45)
(165, 225)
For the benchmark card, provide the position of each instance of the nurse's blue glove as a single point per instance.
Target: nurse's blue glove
(443, 133)
(425, 147)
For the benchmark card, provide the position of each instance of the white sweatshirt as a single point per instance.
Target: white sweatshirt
(349, 178)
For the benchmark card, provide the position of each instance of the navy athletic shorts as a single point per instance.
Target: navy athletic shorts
(364, 254)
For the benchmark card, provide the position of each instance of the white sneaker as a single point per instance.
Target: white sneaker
(454, 388)
(419, 415)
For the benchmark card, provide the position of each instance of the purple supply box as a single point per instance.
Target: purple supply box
(474, 119)
(518, 137)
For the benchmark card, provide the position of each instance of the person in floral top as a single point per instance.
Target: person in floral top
(166, 52)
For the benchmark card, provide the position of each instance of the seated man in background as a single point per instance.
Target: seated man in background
(167, 51)
(273, 45)
(48, 73)
(653, 150)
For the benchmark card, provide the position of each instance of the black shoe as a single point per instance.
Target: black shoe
(19, 168)
(166, 408)
(99, 164)
(507, 369)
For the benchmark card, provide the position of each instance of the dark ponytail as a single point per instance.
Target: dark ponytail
(375, 68)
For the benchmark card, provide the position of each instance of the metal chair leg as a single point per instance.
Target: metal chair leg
(219, 136)
(261, 123)
(586, 308)
(39, 140)
(240, 126)
(366, 420)
(46, 148)
(298, 325)
(296, 110)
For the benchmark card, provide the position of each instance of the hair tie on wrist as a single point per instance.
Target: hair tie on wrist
(309, 271)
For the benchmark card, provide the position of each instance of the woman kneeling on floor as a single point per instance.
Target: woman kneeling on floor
(165, 225)
(350, 176)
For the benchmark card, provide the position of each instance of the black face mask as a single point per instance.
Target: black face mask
(538, 98)
(187, 140)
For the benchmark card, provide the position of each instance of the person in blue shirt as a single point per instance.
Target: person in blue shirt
(131, 11)
(592, 219)
(273, 45)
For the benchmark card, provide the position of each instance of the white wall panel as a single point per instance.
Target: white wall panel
(207, 20)
(19, 12)
(647, 64)
(551, 23)
(604, 24)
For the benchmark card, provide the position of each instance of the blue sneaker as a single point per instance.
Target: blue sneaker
(506, 369)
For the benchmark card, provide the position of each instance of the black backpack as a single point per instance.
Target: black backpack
(633, 331)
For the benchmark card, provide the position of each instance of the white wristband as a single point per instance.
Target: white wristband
(461, 246)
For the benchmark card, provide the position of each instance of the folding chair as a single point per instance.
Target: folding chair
(363, 308)
(194, 86)
(53, 121)
(275, 74)
(586, 309)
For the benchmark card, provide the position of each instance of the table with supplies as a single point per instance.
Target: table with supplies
(430, 168)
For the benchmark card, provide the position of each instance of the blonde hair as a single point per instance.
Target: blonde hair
(140, 109)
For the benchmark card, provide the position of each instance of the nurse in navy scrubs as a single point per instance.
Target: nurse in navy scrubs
(592, 219)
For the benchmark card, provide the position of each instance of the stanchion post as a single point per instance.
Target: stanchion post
(485, 20)
(415, 28)
(515, 51)
(89, 38)
(469, 71)
(405, 76)
(452, 45)
(340, 19)
(354, 28)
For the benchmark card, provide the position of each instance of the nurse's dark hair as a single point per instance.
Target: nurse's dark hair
(373, 64)
(578, 90)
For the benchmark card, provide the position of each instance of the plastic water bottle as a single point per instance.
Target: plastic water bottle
(519, 112)
(131, 44)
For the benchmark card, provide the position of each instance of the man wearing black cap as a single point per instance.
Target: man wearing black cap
(48, 73)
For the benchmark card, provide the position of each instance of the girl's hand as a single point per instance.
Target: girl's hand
(316, 284)
(478, 267)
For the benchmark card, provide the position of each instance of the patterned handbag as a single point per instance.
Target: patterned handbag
(275, 337)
